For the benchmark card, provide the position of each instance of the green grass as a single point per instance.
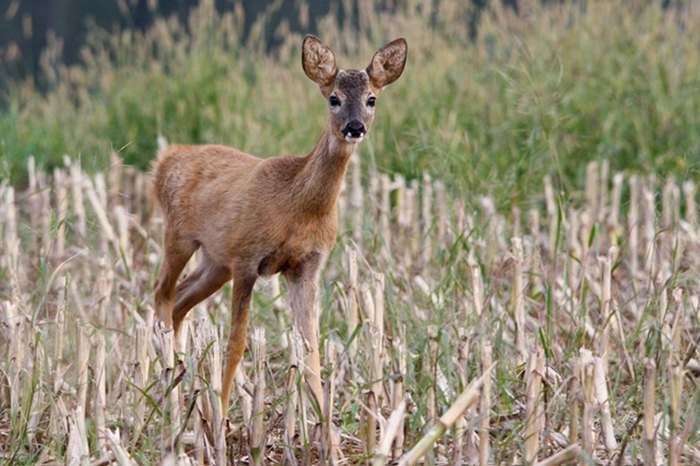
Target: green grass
(535, 94)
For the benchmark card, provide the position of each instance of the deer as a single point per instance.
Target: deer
(255, 217)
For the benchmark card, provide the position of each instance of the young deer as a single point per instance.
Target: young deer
(257, 217)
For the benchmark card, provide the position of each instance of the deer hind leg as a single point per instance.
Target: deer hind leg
(302, 283)
(242, 291)
(176, 253)
(196, 287)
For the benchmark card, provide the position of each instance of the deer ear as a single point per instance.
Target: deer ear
(388, 63)
(318, 61)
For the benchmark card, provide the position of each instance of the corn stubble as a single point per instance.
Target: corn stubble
(574, 341)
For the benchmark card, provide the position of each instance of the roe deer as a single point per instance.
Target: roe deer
(257, 217)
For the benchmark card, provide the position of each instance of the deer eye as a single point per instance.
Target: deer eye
(371, 102)
(334, 101)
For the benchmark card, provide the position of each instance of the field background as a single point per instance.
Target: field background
(527, 194)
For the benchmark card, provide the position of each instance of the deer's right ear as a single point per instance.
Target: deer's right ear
(318, 61)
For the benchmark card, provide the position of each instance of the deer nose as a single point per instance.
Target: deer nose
(354, 129)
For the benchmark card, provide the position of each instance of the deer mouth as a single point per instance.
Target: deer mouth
(354, 139)
(354, 132)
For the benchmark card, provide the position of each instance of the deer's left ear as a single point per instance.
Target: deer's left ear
(388, 63)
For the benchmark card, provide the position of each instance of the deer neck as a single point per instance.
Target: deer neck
(321, 177)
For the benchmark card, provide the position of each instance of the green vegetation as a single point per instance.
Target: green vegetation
(533, 93)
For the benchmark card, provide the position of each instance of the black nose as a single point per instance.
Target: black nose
(354, 129)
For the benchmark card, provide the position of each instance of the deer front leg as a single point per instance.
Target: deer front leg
(242, 291)
(302, 283)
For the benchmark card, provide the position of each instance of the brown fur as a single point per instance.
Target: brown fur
(257, 217)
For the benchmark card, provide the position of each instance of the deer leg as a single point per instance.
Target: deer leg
(302, 283)
(242, 290)
(176, 254)
(198, 286)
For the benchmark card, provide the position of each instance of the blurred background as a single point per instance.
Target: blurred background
(496, 94)
(27, 26)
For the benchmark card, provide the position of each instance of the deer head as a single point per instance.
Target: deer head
(352, 95)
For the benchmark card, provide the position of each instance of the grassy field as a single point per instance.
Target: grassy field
(539, 93)
(527, 197)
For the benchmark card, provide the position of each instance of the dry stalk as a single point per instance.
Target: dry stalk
(603, 199)
(414, 213)
(440, 200)
(477, 287)
(115, 180)
(278, 304)
(568, 454)
(77, 452)
(691, 210)
(650, 268)
(385, 219)
(100, 400)
(59, 249)
(352, 297)
(633, 223)
(215, 383)
(104, 285)
(675, 390)
(649, 435)
(245, 398)
(82, 360)
(551, 216)
(575, 253)
(603, 400)
(113, 443)
(398, 394)
(12, 244)
(427, 214)
(123, 240)
(108, 235)
(59, 320)
(141, 365)
(463, 369)
(329, 443)
(76, 182)
(59, 412)
(534, 412)
(368, 423)
(433, 349)
(392, 428)
(587, 368)
(356, 196)
(447, 420)
(614, 217)
(141, 212)
(292, 400)
(485, 404)
(535, 228)
(591, 194)
(34, 207)
(606, 318)
(573, 398)
(256, 436)
(290, 411)
(517, 300)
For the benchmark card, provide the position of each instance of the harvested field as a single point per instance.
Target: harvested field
(589, 312)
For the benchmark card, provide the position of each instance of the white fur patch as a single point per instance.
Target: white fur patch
(353, 140)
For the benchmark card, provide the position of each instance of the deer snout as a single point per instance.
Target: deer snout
(354, 131)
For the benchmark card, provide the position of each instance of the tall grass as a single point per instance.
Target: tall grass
(490, 101)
